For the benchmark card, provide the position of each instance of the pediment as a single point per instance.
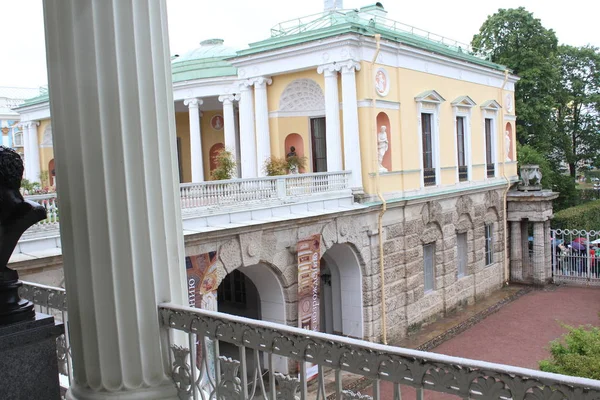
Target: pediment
(491, 105)
(463, 101)
(430, 96)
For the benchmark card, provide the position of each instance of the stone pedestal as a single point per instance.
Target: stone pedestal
(28, 363)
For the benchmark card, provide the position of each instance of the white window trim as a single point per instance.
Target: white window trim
(462, 108)
(489, 110)
(491, 227)
(433, 100)
(15, 142)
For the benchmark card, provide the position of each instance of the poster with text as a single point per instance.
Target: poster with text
(309, 288)
(202, 279)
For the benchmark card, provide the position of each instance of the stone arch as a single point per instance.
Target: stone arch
(47, 140)
(346, 309)
(296, 141)
(302, 95)
(384, 120)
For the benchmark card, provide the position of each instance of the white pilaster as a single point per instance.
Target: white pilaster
(195, 139)
(261, 112)
(34, 152)
(247, 138)
(332, 118)
(229, 122)
(26, 150)
(352, 153)
(120, 217)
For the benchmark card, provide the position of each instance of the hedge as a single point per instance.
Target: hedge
(585, 216)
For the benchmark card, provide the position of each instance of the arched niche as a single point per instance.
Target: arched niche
(212, 153)
(295, 140)
(302, 96)
(384, 120)
(508, 142)
(51, 172)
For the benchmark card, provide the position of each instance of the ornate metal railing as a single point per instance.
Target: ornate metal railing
(491, 170)
(53, 301)
(250, 370)
(463, 173)
(576, 256)
(429, 177)
(236, 192)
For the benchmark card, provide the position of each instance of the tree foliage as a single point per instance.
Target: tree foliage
(225, 166)
(577, 112)
(577, 355)
(519, 41)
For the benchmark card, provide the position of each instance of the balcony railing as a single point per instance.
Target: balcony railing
(233, 192)
(491, 170)
(240, 358)
(429, 176)
(463, 173)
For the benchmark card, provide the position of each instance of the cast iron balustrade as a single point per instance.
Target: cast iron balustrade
(463, 173)
(368, 365)
(491, 170)
(429, 176)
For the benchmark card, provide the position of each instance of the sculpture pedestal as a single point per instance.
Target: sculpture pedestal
(28, 362)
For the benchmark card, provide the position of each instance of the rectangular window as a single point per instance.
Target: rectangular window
(460, 149)
(428, 266)
(427, 139)
(462, 254)
(319, 144)
(489, 245)
(489, 159)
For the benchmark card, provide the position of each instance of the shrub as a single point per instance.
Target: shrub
(585, 216)
(577, 355)
(275, 166)
(296, 161)
(225, 166)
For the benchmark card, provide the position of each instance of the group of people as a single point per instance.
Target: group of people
(578, 258)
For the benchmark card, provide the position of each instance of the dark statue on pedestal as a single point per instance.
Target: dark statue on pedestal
(16, 216)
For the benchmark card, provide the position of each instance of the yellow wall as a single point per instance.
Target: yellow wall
(210, 137)
(46, 153)
(182, 126)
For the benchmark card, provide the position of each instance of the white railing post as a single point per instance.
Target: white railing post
(281, 188)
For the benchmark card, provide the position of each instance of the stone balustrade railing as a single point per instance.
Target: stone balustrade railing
(264, 360)
(233, 192)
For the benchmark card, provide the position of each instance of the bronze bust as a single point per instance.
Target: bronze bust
(16, 216)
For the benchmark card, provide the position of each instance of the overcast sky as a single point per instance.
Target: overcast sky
(240, 22)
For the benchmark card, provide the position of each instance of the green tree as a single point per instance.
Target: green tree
(578, 355)
(519, 41)
(577, 111)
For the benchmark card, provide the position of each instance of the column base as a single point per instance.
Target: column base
(163, 392)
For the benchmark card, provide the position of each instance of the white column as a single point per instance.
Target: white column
(352, 153)
(34, 153)
(195, 139)
(26, 150)
(120, 218)
(261, 112)
(332, 118)
(229, 122)
(247, 139)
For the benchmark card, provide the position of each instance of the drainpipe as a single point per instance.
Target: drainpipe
(505, 214)
(383, 202)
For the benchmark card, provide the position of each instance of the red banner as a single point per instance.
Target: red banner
(309, 287)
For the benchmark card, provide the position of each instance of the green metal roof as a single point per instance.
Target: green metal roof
(206, 61)
(42, 98)
(337, 22)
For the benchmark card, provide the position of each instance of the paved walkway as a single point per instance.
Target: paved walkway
(519, 333)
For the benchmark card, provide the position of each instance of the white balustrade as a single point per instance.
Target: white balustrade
(229, 193)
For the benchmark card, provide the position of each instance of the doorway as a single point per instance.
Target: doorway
(319, 144)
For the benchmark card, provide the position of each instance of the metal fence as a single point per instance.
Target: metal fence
(576, 256)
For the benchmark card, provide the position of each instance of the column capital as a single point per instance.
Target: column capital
(30, 124)
(261, 82)
(229, 98)
(328, 69)
(193, 102)
(349, 66)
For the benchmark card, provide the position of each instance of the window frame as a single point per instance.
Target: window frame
(462, 264)
(429, 103)
(489, 244)
(21, 135)
(490, 110)
(429, 288)
(462, 107)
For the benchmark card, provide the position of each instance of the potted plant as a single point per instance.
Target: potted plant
(225, 166)
(274, 166)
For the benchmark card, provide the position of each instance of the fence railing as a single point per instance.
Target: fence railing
(576, 256)
(53, 301)
(230, 357)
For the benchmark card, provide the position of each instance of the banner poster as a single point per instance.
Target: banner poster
(309, 288)
(202, 293)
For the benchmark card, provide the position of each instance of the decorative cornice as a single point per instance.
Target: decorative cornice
(193, 102)
(384, 104)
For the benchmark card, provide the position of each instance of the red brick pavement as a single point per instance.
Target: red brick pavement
(519, 333)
